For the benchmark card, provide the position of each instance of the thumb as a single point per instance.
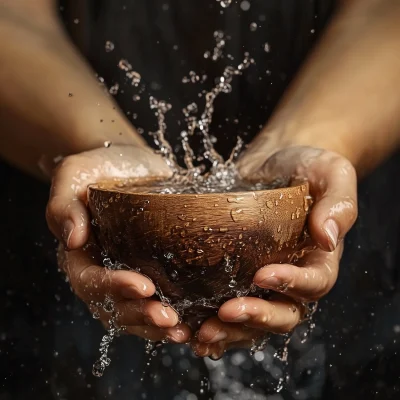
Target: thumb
(66, 213)
(333, 187)
(333, 184)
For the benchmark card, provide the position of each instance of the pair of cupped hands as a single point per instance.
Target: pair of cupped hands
(240, 321)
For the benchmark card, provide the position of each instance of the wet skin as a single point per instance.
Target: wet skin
(333, 186)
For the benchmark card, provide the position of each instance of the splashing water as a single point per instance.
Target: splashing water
(220, 176)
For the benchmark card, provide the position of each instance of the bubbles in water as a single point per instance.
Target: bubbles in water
(136, 97)
(109, 46)
(267, 47)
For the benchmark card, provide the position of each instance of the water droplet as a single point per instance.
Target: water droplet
(236, 213)
(225, 3)
(169, 256)
(253, 26)
(124, 65)
(234, 199)
(232, 283)
(114, 89)
(98, 369)
(107, 143)
(174, 275)
(267, 47)
(108, 305)
(228, 264)
(96, 315)
(109, 46)
(245, 5)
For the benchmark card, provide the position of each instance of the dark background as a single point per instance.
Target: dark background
(48, 341)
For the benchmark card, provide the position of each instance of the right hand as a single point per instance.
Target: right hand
(68, 219)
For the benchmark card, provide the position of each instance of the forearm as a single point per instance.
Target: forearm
(50, 102)
(347, 98)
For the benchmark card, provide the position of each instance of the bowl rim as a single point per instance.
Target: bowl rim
(293, 184)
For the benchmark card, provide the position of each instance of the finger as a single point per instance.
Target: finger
(312, 279)
(177, 334)
(333, 185)
(139, 312)
(212, 350)
(214, 330)
(66, 213)
(276, 316)
(92, 282)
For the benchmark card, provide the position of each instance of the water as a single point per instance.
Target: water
(213, 174)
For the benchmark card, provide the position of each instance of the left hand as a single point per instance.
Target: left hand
(333, 186)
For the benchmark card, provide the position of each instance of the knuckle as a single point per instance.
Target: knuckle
(52, 210)
(88, 282)
(268, 316)
(324, 286)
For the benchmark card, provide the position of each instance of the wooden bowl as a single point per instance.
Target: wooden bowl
(199, 249)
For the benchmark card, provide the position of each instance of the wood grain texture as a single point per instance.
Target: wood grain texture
(194, 245)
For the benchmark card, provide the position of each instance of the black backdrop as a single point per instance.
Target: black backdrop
(48, 341)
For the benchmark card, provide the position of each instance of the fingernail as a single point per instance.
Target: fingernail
(221, 335)
(129, 292)
(68, 229)
(271, 281)
(216, 356)
(242, 318)
(200, 350)
(332, 232)
(177, 336)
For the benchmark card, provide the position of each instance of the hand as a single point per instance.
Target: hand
(333, 186)
(68, 219)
